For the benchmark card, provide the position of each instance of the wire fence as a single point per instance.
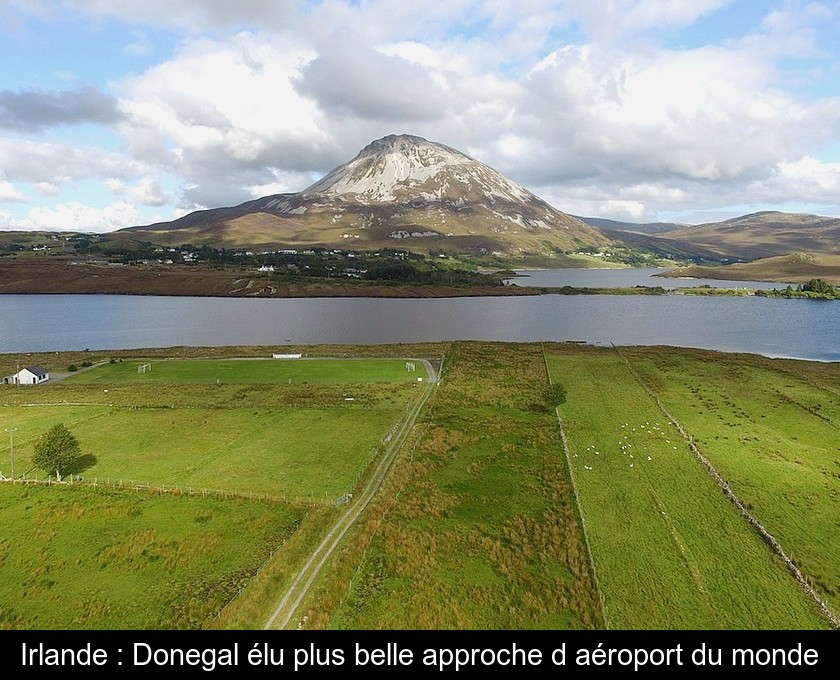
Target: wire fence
(161, 489)
(180, 490)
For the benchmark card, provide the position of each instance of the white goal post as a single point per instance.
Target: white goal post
(144, 368)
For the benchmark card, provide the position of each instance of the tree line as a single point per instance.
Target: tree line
(818, 289)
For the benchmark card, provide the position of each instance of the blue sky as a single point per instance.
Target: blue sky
(115, 114)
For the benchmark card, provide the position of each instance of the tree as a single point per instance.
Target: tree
(820, 287)
(555, 395)
(56, 450)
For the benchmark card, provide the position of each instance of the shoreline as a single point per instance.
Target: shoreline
(35, 277)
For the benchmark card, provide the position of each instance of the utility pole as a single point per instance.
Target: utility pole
(11, 432)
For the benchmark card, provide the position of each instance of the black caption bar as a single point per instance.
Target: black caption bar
(433, 652)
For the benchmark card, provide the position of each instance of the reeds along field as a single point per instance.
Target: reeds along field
(477, 527)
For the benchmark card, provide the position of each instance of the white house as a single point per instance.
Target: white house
(31, 375)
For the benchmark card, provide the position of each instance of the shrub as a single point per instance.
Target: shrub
(555, 395)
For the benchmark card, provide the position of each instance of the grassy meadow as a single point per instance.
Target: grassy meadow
(74, 557)
(771, 428)
(669, 549)
(293, 452)
(85, 556)
(251, 371)
(280, 439)
(477, 527)
(485, 520)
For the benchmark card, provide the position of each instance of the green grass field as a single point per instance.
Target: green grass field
(294, 452)
(479, 530)
(477, 525)
(772, 429)
(176, 426)
(251, 371)
(91, 557)
(670, 551)
(73, 557)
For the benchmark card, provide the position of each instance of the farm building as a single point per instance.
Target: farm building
(31, 375)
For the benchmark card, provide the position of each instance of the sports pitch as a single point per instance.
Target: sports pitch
(252, 371)
(297, 428)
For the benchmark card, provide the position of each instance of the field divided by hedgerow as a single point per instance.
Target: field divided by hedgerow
(477, 527)
(669, 550)
(771, 428)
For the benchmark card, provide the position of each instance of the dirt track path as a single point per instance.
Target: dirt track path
(302, 583)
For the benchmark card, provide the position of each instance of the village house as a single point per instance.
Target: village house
(31, 375)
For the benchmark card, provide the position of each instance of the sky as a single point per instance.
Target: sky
(120, 113)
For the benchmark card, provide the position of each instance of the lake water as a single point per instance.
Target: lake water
(623, 278)
(807, 329)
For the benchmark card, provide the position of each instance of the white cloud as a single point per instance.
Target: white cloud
(74, 216)
(808, 177)
(140, 46)
(196, 15)
(50, 163)
(573, 99)
(707, 115)
(47, 189)
(35, 109)
(608, 19)
(347, 77)
(147, 191)
(10, 194)
(790, 31)
(282, 183)
(223, 114)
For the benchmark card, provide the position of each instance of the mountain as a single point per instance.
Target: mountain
(399, 191)
(763, 234)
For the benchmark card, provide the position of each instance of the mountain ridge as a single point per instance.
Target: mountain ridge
(767, 233)
(405, 192)
(398, 191)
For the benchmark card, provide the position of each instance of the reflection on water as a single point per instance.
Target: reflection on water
(806, 329)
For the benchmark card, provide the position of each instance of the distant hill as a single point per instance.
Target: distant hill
(638, 227)
(400, 191)
(661, 245)
(763, 234)
(794, 268)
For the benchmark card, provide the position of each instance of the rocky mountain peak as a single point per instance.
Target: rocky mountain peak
(410, 168)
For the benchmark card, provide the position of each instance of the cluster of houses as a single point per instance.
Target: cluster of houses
(31, 375)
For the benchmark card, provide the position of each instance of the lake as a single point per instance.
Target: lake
(623, 278)
(806, 329)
